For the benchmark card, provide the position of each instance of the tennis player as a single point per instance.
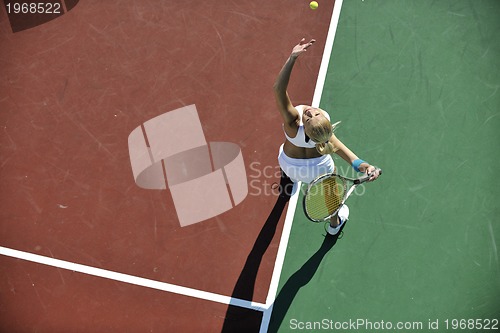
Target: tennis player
(305, 154)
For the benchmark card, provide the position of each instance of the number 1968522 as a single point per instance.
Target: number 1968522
(33, 8)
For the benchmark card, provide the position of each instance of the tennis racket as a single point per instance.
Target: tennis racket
(327, 193)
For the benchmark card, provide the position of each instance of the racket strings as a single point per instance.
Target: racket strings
(324, 197)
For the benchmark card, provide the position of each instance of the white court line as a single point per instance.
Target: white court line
(285, 235)
(280, 257)
(332, 30)
(292, 205)
(131, 279)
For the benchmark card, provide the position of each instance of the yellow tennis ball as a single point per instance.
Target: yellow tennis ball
(313, 5)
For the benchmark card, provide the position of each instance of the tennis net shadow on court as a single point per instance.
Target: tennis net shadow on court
(246, 320)
(298, 280)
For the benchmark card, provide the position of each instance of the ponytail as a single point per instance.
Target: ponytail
(326, 148)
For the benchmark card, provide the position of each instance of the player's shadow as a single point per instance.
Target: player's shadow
(245, 320)
(299, 279)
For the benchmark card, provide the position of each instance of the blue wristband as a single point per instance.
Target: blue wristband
(357, 163)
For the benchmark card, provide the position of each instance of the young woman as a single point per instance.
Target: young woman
(305, 154)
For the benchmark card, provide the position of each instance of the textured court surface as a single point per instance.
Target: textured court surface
(415, 84)
(72, 89)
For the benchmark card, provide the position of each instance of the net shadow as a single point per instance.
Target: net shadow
(243, 320)
(298, 280)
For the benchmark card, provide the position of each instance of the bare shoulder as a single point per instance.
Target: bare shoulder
(291, 116)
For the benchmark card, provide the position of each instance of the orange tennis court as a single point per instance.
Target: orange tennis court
(87, 249)
(139, 180)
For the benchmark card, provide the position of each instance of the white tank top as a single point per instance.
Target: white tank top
(301, 139)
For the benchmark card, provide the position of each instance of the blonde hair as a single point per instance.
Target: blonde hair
(321, 134)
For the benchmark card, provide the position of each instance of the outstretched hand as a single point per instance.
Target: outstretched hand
(301, 47)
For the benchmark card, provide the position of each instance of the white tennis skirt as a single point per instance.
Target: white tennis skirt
(305, 169)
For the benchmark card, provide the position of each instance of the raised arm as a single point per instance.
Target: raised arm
(288, 112)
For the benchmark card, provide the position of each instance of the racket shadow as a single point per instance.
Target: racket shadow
(238, 319)
(298, 280)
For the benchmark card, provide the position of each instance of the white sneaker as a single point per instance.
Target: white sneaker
(343, 216)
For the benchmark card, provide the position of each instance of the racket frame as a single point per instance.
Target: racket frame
(355, 182)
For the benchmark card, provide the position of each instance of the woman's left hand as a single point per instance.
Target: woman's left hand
(301, 47)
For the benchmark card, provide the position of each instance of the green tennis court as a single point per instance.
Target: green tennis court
(416, 86)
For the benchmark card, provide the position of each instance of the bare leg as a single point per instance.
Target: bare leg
(334, 220)
(338, 219)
